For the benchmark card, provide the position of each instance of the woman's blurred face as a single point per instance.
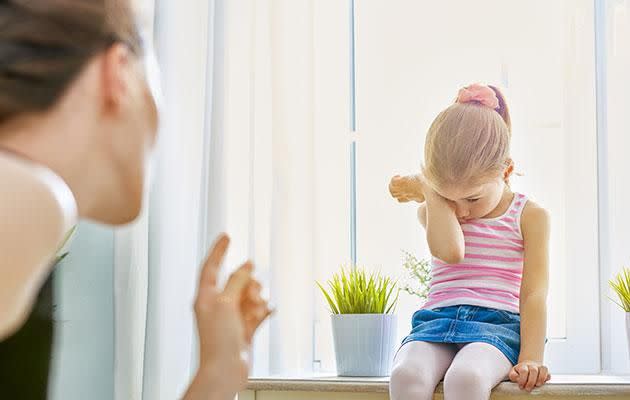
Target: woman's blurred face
(132, 137)
(75, 96)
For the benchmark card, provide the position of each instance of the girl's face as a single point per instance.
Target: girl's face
(474, 201)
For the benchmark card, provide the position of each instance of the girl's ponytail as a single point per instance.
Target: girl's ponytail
(503, 109)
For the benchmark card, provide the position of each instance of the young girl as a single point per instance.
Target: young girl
(485, 316)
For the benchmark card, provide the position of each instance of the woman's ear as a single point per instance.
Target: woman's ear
(116, 62)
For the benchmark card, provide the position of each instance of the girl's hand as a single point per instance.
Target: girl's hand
(529, 374)
(407, 188)
(226, 322)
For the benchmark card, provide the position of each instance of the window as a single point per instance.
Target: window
(411, 58)
(282, 118)
(614, 61)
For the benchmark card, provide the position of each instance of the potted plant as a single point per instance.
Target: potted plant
(363, 322)
(621, 285)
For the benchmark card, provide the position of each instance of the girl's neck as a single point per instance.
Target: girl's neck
(504, 203)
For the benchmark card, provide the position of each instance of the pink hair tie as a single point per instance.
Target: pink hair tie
(478, 93)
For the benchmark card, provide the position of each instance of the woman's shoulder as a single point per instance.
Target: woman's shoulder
(30, 189)
(37, 209)
(35, 212)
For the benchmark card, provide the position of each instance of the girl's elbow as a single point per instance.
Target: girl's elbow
(454, 258)
(446, 249)
(451, 256)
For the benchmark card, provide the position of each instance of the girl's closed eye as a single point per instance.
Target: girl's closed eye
(473, 200)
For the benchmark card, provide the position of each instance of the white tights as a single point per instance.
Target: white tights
(469, 370)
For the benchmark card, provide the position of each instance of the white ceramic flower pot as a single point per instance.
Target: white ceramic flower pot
(628, 331)
(364, 343)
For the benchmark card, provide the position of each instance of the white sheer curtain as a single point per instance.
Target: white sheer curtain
(130, 305)
(175, 227)
(131, 262)
(157, 258)
(265, 179)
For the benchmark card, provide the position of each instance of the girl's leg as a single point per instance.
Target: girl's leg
(418, 368)
(476, 369)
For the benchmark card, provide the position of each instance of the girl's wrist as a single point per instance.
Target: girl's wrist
(419, 193)
(531, 358)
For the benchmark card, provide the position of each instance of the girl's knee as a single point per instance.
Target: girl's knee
(411, 381)
(466, 377)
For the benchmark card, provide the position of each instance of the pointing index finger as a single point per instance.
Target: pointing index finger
(211, 266)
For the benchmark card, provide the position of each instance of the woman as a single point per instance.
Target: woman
(77, 121)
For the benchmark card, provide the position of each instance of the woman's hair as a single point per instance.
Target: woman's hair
(44, 44)
(468, 142)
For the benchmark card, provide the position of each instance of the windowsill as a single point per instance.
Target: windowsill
(558, 385)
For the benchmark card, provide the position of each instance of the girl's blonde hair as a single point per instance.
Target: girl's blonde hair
(468, 143)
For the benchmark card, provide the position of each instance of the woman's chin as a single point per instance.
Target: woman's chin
(118, 213)
(131, 213)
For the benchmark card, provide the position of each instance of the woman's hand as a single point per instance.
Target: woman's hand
(529, 374)
(226, 322)
(407, 188)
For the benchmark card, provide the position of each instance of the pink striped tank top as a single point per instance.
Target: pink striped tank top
(490, 274)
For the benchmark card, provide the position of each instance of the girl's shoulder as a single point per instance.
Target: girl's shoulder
(534, 219)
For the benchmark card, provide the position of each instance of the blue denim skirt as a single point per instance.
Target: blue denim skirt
(467, 324)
